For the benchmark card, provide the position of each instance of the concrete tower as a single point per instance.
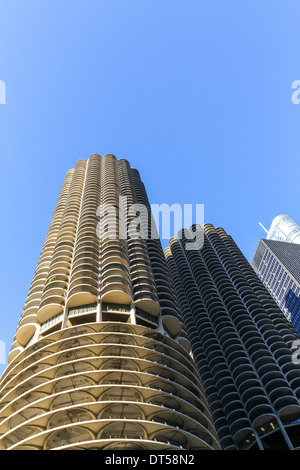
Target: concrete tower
(100, 359)
(241, 341)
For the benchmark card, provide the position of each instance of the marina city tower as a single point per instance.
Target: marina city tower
(100, 359)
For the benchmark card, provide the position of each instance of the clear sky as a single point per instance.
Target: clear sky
(195, 94)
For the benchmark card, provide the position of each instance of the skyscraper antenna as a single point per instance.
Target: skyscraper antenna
(263, 227)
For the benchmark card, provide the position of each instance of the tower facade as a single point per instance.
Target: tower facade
(100, 359)
(241, 342)
(277, 265)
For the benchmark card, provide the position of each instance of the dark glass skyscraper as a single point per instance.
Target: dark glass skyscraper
(277, 264)
(241, 343)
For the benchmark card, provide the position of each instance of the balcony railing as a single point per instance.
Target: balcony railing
(83, 309)
(53, 321)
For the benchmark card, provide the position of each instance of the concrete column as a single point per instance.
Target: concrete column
(285, 434)
(259, 443)
(99, 312)
(161, 326)
(65, 318)
(132, 314)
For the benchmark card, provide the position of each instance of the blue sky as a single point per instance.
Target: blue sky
(195, 94)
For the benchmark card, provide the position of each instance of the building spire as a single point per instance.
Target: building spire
(263, 227)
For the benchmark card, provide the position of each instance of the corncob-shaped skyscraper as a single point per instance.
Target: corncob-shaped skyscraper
(100, 359)
(242, 343)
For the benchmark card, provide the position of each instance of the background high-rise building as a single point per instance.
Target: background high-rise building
(284, 228)
(277, 264)
(100, 359)
(241, 342)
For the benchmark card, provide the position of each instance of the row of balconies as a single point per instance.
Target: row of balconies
(137, 394)
(285, 404)
(105, 328)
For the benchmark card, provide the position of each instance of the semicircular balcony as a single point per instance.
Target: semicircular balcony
(147, 303)
(184, 340)
(115, 256)
(26, 329)
(84, 269)
(15, 350)
(31, 307)
(240, 430)
(56, 282)
(75, 369)
(85, 255)
(144, 283)
(41, 273)
(114, 269)
(260, 414)
(36, 288)
(83, 291)
(52, 304)
(116, 291)
(171, 324)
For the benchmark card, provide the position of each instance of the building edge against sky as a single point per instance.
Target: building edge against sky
(101, 362)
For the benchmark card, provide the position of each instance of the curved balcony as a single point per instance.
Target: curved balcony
(86, 256)
(15, 350)
(51, 306)
(85, 292)
(117, 258)
(184, 341)
(55, 283)
(108, 267)
(115, 291)
(149, 305)
(26, 329)
(73, 393)
(172, 324)
(31, 305)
